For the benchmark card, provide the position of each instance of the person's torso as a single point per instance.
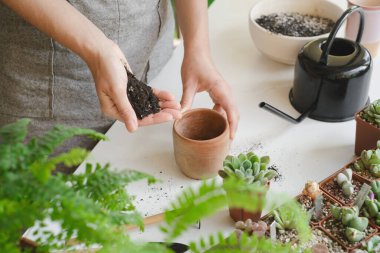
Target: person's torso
(39, 78)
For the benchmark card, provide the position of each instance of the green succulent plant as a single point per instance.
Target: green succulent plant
(285, 219)
(344, 180)
(369, 160)
(371, 208)
(372, 113)
(354, 225)
(375, 189)
(373, 245)
(248, 167)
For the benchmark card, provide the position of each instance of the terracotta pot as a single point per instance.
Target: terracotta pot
(355, 177)
(367, 135)
(240, 214)
(201, 142)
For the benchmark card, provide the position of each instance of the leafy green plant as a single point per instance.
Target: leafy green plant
(285, 218)
(90, 206)
(372, 113)
(372, 245)
(375, 188)
(211, 197)
(371, 208)
(344, 180)
(248, 167)
(369, 160)
(354, 225)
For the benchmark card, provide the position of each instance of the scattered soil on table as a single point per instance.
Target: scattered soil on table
(279, 176)
(336, 228)
(141, 97)
(318, 236)
(307, 203)
(295, 24)
(287, 236)
(334, 189)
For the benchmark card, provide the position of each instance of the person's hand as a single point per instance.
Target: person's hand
(111, 80)
(199, 74)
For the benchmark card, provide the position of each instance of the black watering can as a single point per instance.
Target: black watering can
(332, 77)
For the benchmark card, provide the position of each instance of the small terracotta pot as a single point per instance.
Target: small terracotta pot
(240, 214)
(201, 142)
(367, 135)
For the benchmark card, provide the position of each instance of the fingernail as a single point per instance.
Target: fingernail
(132, 125)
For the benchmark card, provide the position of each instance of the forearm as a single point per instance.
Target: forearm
(61, 21)
(193, 22)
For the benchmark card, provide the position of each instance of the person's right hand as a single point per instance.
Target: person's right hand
(111, 80)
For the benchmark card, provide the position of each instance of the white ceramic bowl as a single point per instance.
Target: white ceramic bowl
(283, 48)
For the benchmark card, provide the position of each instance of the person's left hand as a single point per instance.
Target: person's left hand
(199, 74)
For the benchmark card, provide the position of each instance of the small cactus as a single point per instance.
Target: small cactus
(355, 225)
(372, 113)
(252, 228)
(312, 190)
(285, 219)
(248, 167)
(369, 160)
(344, 180)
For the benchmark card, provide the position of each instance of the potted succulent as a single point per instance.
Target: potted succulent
(368, 165)
(367, 127)
(309, 196)
(371, 246)
(347, 227)
(286, 221)
(343, 186)
(251, 169)
(320, 242)
(371, 206)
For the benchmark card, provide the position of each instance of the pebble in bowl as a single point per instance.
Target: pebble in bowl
(280, 28)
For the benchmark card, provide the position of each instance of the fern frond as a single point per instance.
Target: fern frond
(15, 132)
(59, 134)
(191, 206)
(42, 169)
(244, 244)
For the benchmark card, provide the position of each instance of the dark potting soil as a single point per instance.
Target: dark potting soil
(279, 176)
(295, 24)
(336, 228)
(307, 203)
(141, 97)
(335, 190)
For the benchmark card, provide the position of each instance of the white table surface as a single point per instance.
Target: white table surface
(311, 150)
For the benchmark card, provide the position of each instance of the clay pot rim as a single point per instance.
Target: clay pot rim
(365, 7)
(216, 139)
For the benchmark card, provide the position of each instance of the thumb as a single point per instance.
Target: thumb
(187, 96)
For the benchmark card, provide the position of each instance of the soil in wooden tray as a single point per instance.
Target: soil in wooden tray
(335, 190)
(287, 236)
(318, 236)
(336, 228)
(141, 97)
(307, 203)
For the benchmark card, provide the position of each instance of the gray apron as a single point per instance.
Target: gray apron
(42, 80)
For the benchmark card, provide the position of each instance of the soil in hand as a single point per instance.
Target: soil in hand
(141, 97)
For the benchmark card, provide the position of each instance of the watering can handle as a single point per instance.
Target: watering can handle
(327, 46)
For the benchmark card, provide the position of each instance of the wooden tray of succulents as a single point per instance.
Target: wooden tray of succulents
(340, 225)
